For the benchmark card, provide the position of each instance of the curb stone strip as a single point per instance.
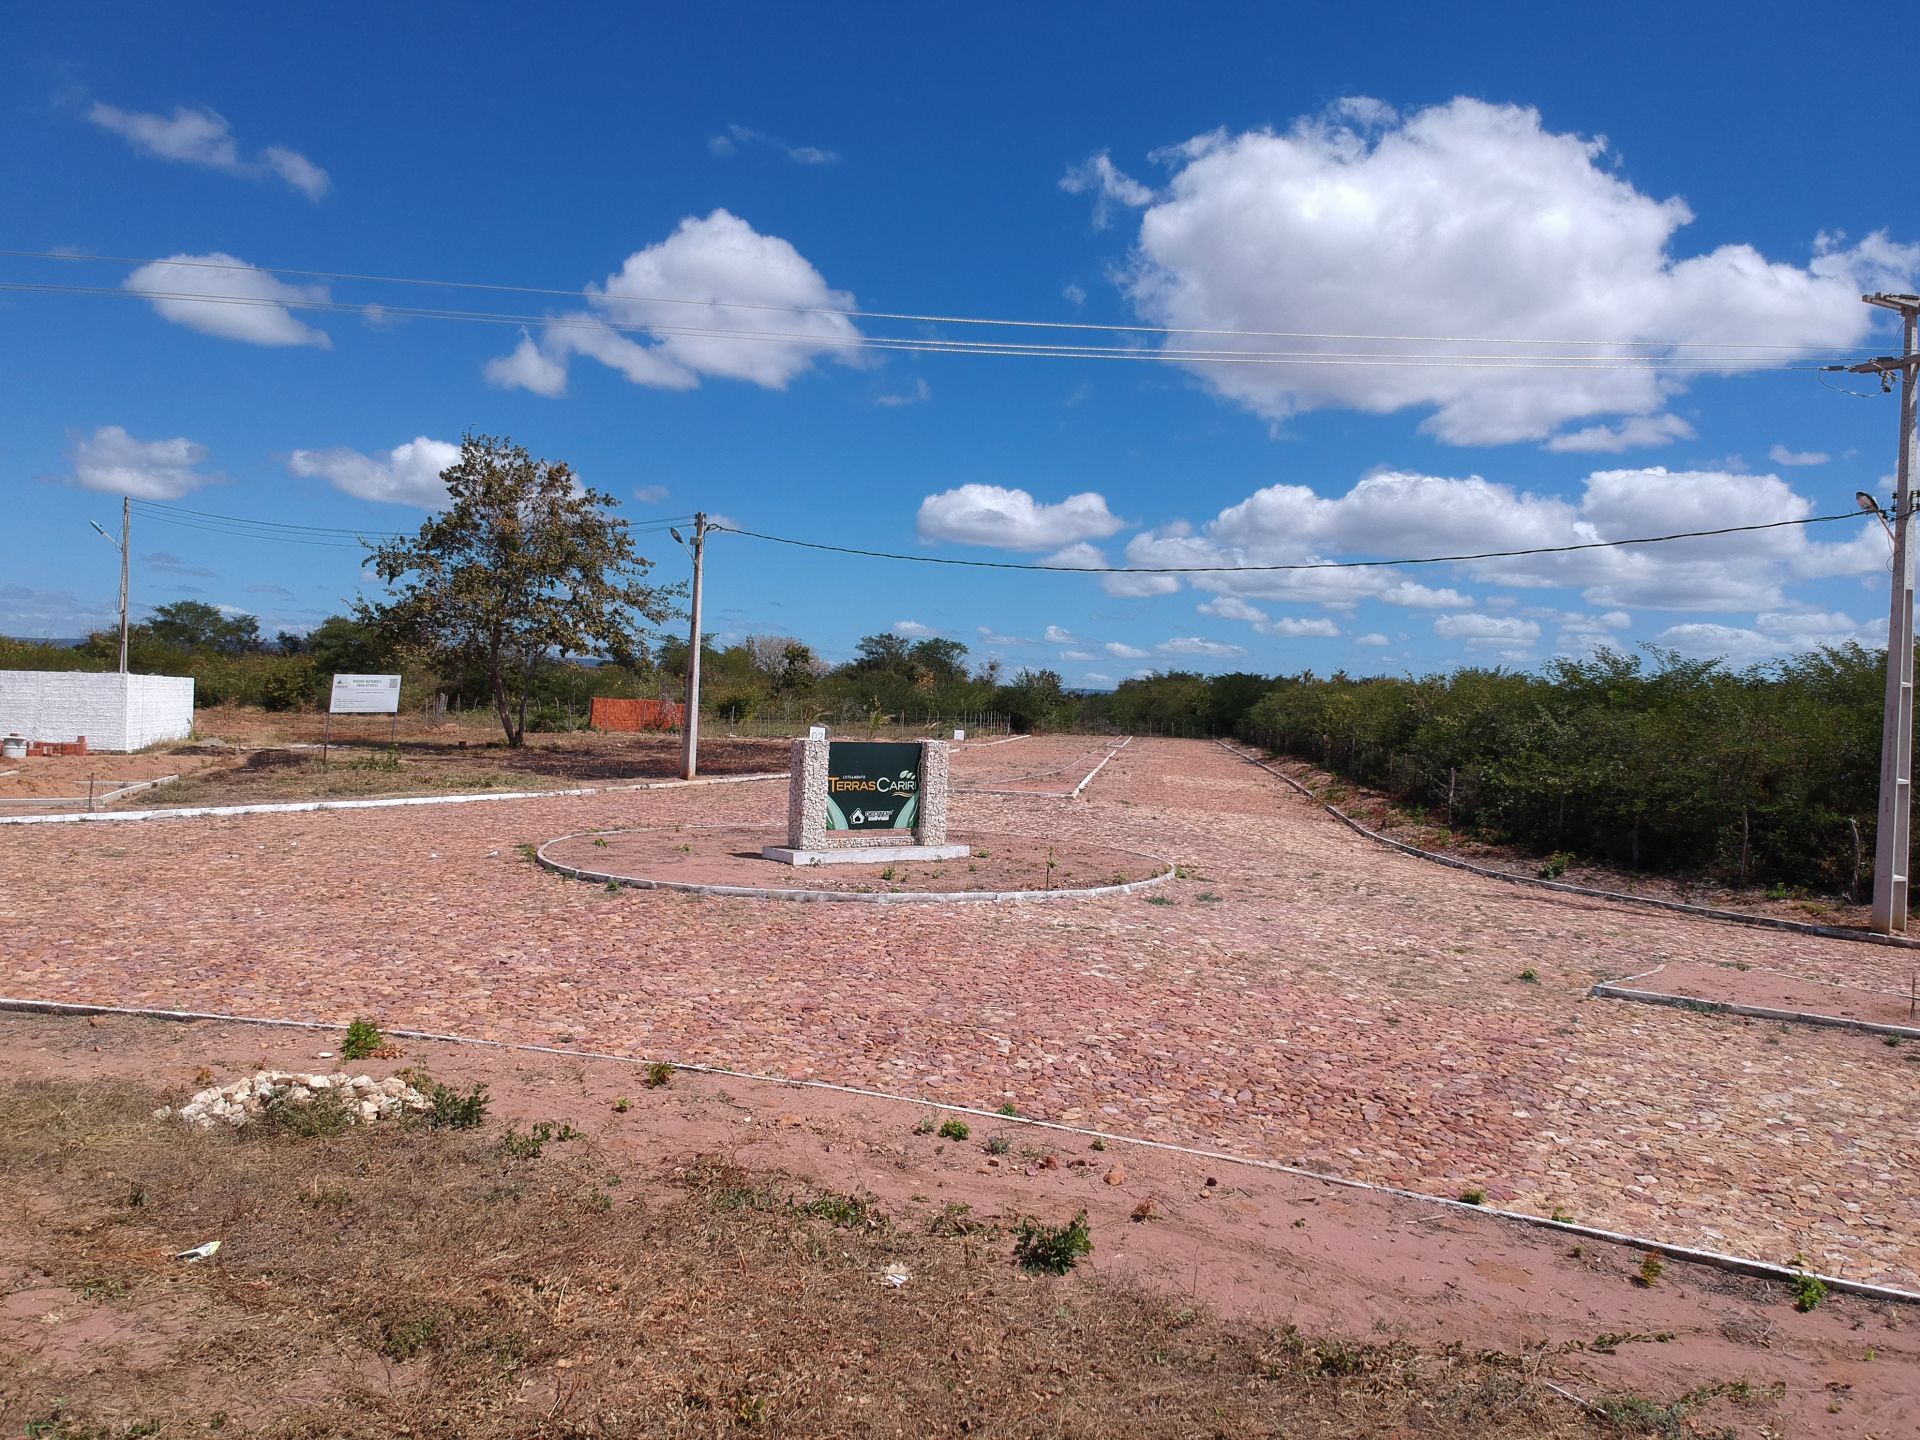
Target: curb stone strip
(1738, 1264)
(1736, 917)
(871, 897)
(1098, 768)
(293, 807)
(1755, 1012)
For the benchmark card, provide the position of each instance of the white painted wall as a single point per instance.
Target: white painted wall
(114, 712)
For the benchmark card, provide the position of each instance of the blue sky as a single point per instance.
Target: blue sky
(1701, 175)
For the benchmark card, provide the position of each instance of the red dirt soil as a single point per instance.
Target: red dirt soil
(1254, 1245)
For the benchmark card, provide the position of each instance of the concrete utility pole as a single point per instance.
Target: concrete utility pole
(126, 530)
(1892, 840)
(690, 726)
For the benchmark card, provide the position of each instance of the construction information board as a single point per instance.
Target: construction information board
(872, 786)
(365, 695)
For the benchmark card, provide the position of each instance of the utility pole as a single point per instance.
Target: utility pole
(690, 726)
(1892, 839)
(122, 544)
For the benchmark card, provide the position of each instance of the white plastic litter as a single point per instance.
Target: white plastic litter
(894, 1276)
(199, 1252)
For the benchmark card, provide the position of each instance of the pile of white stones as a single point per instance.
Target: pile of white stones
(363, 1097)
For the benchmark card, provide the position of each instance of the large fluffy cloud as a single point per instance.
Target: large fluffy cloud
(1391, 514)
(241, 301)
(661, 319)
(1466, 220)
(197, 136)
(1014, 520)
(408, 474)
(112, 461)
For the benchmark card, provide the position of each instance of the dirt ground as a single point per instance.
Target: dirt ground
(1298, 993)
(708, 1257)
(250, 757)
(721, 855)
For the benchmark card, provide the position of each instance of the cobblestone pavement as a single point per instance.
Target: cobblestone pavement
(1305, 996)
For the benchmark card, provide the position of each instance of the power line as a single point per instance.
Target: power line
(320, 536)
(1301, 565)
(928, 319)
(1000, 348)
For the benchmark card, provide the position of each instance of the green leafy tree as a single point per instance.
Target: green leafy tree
(200, 628)
(523, 563)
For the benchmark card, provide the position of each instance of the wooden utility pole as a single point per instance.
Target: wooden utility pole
(1892, 839)
(690, 725)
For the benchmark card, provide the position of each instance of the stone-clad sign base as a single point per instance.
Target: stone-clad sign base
(807, 831)
(864, 855)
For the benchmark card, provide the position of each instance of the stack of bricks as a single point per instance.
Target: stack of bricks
(57, 747)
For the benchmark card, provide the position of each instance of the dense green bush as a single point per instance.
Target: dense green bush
(1769, 773)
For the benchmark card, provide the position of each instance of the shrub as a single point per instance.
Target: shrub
(1808, 1292)
(363, 1040)
(953, 1129)
(1055, 1249)
(452, 1110)
(658, 1074)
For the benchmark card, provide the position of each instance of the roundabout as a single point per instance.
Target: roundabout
(727, 860)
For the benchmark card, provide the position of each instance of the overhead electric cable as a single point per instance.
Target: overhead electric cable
(927, 319)
(1297, 565)
(935, 345)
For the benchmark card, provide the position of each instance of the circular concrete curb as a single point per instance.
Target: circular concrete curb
(870, 897)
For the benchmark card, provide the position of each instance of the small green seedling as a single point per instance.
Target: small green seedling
(1808, 1292)
(363, 1040)
(998, 1145)
(1650, 1270)
(1530, 975)
(1474, 1196)
(658, 1074)
(622, 1105)
(1007, 1109)
(889, 873)
(953, 1129)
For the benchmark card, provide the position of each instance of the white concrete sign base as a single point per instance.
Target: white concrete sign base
(868, 855)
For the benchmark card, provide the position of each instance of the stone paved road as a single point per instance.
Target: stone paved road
(1307, 996)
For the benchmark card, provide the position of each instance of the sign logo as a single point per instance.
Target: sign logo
(872, 785)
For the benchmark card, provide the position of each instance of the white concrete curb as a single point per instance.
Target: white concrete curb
(870, 897)
(1705, 912)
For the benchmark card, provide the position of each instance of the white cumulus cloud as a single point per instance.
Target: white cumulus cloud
(674, 312)
(1097, 176)
(408, 474)
(1781, 455)
(112, 461)
(193, 135)
(1121, 651)
(1198, 645)
(1487, 630)
(1639, 432)
(1468, 219)
(1013, 520)
(218, 294)
(1390, 514)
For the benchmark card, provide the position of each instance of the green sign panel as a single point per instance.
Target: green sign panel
(872, 785)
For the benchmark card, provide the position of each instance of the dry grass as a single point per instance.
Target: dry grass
(391, 1281)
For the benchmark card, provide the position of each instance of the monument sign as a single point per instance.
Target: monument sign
(866, 802)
